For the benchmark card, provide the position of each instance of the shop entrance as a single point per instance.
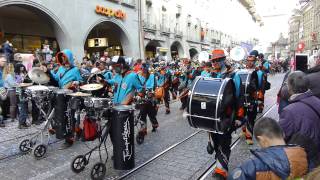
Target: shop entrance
(176, 50)
(28, 29)
(108, 39)
(151, 49)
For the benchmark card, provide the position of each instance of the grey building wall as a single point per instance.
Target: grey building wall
(72, 21)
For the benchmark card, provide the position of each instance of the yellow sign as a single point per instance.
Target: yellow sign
(119, 14)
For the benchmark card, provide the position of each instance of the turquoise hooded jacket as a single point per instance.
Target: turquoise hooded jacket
(64, 76)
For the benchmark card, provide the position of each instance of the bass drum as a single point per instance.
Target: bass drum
(212, 104)
(249, 81)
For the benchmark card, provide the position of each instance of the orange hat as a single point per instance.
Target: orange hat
(217, 54)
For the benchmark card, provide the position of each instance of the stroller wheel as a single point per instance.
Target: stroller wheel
(78, 164)
(39, 151)
(25, 146)
(210, 148)
(98, 171)
(139, 138)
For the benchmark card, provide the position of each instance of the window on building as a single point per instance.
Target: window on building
(129, 2)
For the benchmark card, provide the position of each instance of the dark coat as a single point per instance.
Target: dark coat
(273, 163)
(313, 76)
(300, 118)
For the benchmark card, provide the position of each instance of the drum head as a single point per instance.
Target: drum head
(64, 91)
(38, 88)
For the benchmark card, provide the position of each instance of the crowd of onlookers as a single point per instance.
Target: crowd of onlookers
(290, 147)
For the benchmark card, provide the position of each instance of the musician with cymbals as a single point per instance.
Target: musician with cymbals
(163, 84)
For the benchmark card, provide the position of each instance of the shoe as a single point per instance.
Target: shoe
(167, 111)
(52, 131)
(65, 145)
(2, 125)
(219, 174)
(154, 127)
(249, 141)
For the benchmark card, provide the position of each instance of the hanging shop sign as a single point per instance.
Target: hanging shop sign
(98, 42)
(119, 14)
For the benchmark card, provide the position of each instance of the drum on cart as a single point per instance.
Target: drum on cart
(212, 104)
(99, 103)
(61, 119)
(38, 91)
(123, 137)
(249, 80)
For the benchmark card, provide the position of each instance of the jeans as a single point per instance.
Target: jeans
(23, 111)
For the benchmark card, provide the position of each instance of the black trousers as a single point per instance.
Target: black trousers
(251, 117)
(166, 98)
(222, 148)
(149, 109)
(184, 101)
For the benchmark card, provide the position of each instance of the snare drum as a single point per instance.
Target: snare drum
(38, 91)
(249, 84)
(212, 104)
(93, 102)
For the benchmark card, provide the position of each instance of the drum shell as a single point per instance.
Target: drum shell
(123, 138)
(207, 107)
(61, 116)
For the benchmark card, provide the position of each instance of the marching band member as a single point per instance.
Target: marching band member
(164, 82)
(149, 106)
(207, 70)
(222, 142)
(253, 91)
(68, 75)
(264, 66)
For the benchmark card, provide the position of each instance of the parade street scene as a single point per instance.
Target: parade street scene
(160, 90)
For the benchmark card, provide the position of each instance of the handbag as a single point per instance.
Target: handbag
(3, 93)
(159, 92)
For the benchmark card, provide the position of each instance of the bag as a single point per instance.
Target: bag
(159, 92)
(267, 86)
(90, 129)
(3, 93)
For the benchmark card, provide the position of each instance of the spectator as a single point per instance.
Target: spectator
(2, 102)
(8, 51)
(313, 75)
(10, 84)
(275, 160)
(301, 117)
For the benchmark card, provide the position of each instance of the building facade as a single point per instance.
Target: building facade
(175, 29)
(93, 26)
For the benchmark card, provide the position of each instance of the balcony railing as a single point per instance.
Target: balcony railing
(164, 30)
(131, 3)
(178, 33)
(149, 26)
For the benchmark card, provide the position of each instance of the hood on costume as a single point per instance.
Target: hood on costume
(68, 54)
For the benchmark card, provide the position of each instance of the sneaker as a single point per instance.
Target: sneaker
(168, 111)
(65, 145)
(249, 141)
(219, 174)
(154, 127)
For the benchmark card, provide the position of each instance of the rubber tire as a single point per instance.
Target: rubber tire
(101, 166)
(83, 162)
(25, 146)
(40, 151)
(139, 139)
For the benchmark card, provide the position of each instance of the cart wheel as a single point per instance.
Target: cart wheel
(98, 171)
(139, 138)
(210, 148)
(39, 151)
(25, 146)
(78, 164)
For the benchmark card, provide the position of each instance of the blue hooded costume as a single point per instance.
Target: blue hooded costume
(64, 76)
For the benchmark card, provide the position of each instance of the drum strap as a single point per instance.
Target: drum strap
(61, 76)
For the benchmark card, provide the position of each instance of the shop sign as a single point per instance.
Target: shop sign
(98, 42)
(119, 14)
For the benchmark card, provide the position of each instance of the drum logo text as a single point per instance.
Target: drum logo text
(127, 152)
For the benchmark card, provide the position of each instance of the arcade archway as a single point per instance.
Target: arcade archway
(176, 50)
(29, 28)
(107, 37)
(193, 53)
(151, 49)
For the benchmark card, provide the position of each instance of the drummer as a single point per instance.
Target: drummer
(68, 75)
(222, 143)
(125, 82)
(207, 70)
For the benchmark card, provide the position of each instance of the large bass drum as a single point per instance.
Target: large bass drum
(249, 79)
(212, 105)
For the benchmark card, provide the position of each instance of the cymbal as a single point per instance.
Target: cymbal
(79, 94)
(38, 76)
(91, 87)
(24, 85)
